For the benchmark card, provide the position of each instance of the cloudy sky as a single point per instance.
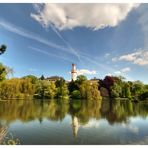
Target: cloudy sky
(102, 39)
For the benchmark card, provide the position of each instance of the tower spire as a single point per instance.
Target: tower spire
(73, 72)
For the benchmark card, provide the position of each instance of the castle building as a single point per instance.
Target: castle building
(73, 72)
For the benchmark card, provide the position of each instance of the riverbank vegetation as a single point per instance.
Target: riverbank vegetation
(110, 87)
(118, 87)
(33, 87)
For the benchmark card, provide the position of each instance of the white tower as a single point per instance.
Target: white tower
(73, 72)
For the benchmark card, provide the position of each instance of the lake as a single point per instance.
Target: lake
(50, 122)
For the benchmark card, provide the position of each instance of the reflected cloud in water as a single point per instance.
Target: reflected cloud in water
(91, 122)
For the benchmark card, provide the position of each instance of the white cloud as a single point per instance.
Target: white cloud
(107, 55)
(142, 141)
(118, 72)
(131, 128)
(127, 69)
(114, 59)
(85, 72)
(139, 57)
(32, 70)
(123, 71)
(30, 35)
(109, 74)
(92, 123)
(69, 16)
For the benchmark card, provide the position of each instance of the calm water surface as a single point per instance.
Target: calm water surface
(76, 122)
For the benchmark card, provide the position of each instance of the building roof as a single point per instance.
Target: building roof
(94, 79)
(53, 78)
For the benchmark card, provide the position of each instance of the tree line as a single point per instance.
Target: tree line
(118, 87)
(33, 87)
(110, 87)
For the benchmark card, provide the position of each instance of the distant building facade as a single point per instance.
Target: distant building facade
(54, 78)
(94, 80)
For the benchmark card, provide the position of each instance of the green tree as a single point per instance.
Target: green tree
(60, 82)
(3, 69)
(137, 89)
(146, 87)
(126, 93)
(81, 79)
(144, 96)
(116, 90)
(43, 89)
(108, 82)
(95, 93)
(3, 72)
(42, 77)
(72, 86)
(76, 94)
(33, 78)
(62, 92)
(62, 89)
(52, 90)
(3, 49)
(104, 92)
(16, 88)
(89, 91)
(85, 90)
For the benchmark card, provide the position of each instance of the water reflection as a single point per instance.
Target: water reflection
(82, 112)
(3, 132)
(75, 126)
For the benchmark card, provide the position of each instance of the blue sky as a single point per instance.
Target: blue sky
(102, 39)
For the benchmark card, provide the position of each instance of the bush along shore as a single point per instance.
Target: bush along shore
(33, 87)
(111, 87)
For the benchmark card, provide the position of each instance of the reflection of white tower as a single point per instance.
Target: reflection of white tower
(73, 72)
(75, 126)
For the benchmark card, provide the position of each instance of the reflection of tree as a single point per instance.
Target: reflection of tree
(27, 110)
(85, 110)
(58, 109)
(115, 111)
(118, 111)
(82, 111)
